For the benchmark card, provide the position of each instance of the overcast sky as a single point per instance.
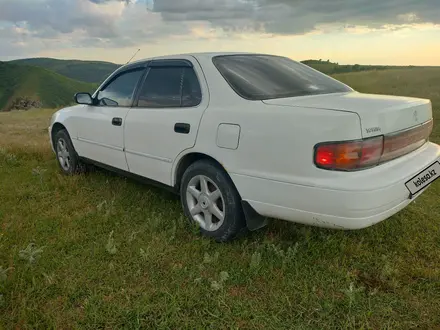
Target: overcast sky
(345, 31)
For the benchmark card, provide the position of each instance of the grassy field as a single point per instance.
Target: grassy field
(100, 251)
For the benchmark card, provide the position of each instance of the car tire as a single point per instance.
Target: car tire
(67, 158)
(210, 199)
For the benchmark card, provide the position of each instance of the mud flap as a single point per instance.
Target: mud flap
(254, 221)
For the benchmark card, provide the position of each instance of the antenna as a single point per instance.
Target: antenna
(133, 56)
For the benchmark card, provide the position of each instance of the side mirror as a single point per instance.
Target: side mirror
(83, 98)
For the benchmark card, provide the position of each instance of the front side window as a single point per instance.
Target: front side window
(170, 87)
(260, 77)
(119, 92)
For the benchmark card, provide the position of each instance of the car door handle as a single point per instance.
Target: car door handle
(182, 128)
(117, 121)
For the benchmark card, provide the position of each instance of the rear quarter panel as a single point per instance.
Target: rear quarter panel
(276, 142)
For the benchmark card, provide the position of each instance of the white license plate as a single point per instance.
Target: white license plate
(424, 178)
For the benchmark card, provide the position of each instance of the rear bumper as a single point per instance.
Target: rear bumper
(325, 220)
(360, 200)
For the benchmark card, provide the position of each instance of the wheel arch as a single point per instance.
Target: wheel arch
(56, 127)
(185, 161)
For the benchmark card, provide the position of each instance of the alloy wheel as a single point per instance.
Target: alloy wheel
(63, 154)
(205, 203)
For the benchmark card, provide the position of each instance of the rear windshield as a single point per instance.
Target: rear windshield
(260, 77)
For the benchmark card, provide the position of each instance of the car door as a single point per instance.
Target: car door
(100, 127)
(165, 117)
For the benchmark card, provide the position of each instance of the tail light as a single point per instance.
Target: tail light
(360, 154)
(351, 155)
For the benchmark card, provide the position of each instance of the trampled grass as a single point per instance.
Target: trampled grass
(100, 251)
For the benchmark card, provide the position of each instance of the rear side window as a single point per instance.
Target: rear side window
(170, 87)
(260, 77)
(191, 93)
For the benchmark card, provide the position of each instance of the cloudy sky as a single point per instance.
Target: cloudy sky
(345, 31)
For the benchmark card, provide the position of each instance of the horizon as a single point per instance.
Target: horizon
(143, 58)
(369, 32)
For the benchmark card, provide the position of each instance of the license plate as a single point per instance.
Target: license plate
(423, 179)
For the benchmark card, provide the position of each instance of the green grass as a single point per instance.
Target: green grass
(111, 253)
(87, 71)
(50, 88)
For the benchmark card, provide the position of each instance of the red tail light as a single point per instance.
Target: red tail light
(359, 154)
(345, 156)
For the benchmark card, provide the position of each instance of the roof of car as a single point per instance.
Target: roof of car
(197, 55)
(206, 54)
(144, 61)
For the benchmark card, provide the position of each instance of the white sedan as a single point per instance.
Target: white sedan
(243, 137)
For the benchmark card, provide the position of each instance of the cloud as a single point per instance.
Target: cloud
(298, 16)
(128, 23)
(112, 23)
(62, 16)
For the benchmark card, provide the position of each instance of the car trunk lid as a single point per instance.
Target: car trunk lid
(379, 114)
(405, 122)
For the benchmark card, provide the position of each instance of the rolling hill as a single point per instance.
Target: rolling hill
(53, 82)
(97, 71)
(49, 88)
(330, 68)
(87, 71)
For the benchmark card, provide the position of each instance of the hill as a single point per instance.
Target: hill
(87, 71)
(328, 67)
(49, 88)
(97, 71)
